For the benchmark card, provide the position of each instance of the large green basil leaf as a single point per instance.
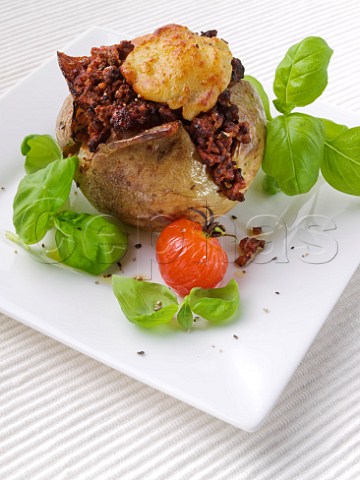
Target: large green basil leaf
(89, 242)
(301, 76)
(144, 303)
(40, 150)
(215, 304)
(341, 163)
(294, 151)
(39, 196)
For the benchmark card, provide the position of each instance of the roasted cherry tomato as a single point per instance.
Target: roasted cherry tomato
(189, 257)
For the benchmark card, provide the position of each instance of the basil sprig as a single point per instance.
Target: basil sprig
(150, 304)
(88, 242)
(299, 146)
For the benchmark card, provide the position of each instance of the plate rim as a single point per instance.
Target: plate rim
(12, 310)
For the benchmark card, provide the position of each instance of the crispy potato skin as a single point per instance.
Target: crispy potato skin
(161, 69)
(154, 177)
(63, 124)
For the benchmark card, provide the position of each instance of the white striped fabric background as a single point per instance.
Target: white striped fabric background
(65, 416)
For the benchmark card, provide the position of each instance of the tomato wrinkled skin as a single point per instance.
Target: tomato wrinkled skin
(188, 258)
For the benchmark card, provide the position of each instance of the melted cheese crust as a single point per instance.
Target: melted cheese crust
(180, 68)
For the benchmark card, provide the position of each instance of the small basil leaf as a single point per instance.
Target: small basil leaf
(301, 76)
(144, 303)
(25, 148)
(39, 196)
(270, 185)
(89, 242)
(185, 316)
(294, 151)
(262, 94)
(341, 163)
(215, 304)
(40, 150)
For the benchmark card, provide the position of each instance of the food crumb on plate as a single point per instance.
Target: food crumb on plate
(239, 273)
(235, 336)
(255, 231)
(249, 248)
(266, 310)
(141, 352)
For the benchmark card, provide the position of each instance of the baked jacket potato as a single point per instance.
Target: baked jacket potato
(147, 163)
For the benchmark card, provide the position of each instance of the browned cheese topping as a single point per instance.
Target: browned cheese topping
(106, 104)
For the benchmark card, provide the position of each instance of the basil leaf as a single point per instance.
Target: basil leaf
(25, 148)
(294, 151)
(39, 196)
(185, 316)
(332, 129)
(341, 163)
(144, 303)
(40, 150)
(301, 76)
(89, 242)
(215, 304)
(262, 94)
(270, 185)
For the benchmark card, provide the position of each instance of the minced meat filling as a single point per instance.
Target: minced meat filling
(216, 134)
(105, 103)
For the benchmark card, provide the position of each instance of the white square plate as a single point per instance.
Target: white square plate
(312, 251)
